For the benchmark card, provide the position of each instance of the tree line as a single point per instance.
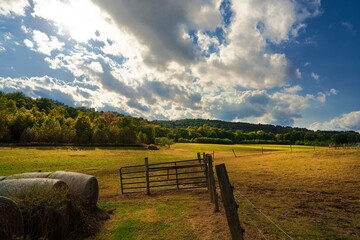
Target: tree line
(44, 121)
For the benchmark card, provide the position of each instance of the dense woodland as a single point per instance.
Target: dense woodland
(24, 120)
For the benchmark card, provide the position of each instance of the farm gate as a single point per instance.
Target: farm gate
(174, 175)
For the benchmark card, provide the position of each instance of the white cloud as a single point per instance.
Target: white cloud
(11, 8)
(298, 73)
(42, 43)
(95, 66)
(346, 122)
(315, 76)
(29, 43)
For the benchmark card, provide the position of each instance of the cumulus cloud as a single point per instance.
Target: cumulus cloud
(174, 59)
(13, 8)
(42, 43)
(345, 122)
(163, 26)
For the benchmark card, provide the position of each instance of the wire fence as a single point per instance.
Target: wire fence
(264, 216)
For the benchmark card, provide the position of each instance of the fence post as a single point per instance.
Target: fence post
(177, 178)
(213, 195)
(229, 203)
(198, 156)
(147, 176)
(209, 170)
(121, 183)
(234, 153)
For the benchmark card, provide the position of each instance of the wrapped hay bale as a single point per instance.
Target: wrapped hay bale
(44, 204)
(29, 175)
(83, 187)
(21, 187)
(11, 221)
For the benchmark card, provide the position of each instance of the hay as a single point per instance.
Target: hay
(11, 221)
(29, 175)
(83, 187)
(44, 204)
(21, 187)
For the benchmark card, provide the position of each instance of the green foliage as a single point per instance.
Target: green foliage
(44, 121)
(212, 140)
(164, 141)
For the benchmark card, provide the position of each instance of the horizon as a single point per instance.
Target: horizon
(286, 63)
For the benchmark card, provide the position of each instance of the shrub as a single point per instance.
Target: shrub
(164, 141)
(213, 140)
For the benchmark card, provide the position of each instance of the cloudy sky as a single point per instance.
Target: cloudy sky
(283, 62)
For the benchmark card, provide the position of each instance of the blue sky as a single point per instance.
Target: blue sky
(283, 62)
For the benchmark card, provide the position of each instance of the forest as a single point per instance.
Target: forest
(24, 120)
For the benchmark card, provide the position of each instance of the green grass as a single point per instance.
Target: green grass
(310, 193)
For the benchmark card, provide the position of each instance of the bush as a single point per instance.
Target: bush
(184, 140)
(164, 141)
(213, 140)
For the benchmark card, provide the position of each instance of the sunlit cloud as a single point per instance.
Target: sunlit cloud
(349, 121)
(12, 8)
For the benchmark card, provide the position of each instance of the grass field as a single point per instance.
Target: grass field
(307, 193)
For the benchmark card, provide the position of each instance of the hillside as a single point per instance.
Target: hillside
(233, 126)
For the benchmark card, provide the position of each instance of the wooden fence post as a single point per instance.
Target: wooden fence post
(177, 177)
(229, 203)
(212, 189)
(147, 176)
(234, 153)
(121, 182)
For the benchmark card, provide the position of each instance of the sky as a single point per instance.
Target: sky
(282, 62)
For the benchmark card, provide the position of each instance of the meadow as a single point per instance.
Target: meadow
(282, 192)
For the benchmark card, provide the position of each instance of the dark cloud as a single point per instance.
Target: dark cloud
(159, 24)
(175, 94)
(134, 103)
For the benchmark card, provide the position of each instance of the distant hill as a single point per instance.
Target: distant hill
(232, 126)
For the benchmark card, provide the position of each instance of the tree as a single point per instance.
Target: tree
(83, 130)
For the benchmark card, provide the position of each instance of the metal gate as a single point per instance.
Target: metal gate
(184, 174)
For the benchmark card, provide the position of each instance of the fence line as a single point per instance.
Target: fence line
(256, 226)
(269, 219)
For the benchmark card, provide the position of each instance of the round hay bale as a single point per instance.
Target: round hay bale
(11, 221)
(22, 187)
(44, 204)
(29, 175)
(153, 147)
(83, 187)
